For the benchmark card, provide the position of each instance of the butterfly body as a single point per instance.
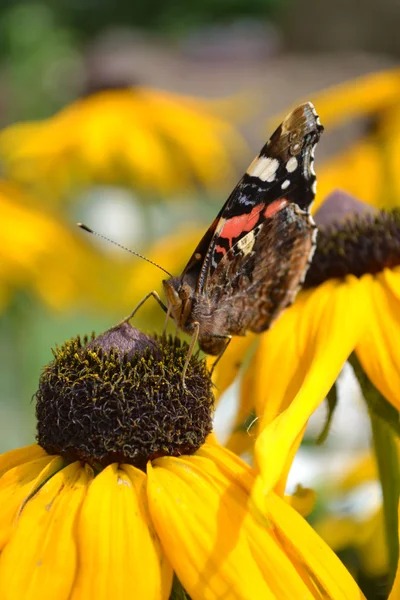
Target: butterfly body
(252, 260)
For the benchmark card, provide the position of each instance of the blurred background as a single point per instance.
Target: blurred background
(138, 118)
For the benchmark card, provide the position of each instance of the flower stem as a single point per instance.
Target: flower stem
(384, 440)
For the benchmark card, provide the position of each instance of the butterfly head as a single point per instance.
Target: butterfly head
(179, 295)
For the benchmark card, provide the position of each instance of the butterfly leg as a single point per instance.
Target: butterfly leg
(143, 300)
(193, 341)
(220, 355)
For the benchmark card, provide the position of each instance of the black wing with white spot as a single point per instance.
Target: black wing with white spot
(282, 173)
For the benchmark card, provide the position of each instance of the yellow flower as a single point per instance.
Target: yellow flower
(351, 304)
(111, 512)
(39, 253)
(152, 139)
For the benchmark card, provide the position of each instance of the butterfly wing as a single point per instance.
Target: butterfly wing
(283, 169)
(260, 274)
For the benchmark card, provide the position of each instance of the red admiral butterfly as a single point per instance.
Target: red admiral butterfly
(252, 260)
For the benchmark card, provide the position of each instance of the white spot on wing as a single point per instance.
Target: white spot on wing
(246, 244)
(312, 170)
(285, 184)
(314, 187)
(291, 164)
(264, 168)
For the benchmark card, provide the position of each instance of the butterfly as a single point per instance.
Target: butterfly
(253, 258)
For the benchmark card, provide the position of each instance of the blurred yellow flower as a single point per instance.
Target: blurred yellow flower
(41, 254)
(154, 140)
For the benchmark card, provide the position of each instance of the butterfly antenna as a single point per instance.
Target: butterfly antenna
(103, 237)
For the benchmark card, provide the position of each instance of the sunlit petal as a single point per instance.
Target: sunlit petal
(378, 348)
(44, 544)
(17, 485)
(331, 579)
(231, 362)
(199, 519)
(120, 555)
(300, 370)
(13, 458)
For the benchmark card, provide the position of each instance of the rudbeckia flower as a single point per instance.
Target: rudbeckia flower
(124, 494)
(151, 139)
(350, 304)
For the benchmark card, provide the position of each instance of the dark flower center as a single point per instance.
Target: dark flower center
(120, 398)
(356, 246)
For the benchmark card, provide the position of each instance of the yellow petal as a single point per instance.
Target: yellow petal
(378, 349)
(304, 353)
(321, 566)
(245, 427)
(229, 464)
(13, 458)
(119, 553)
(199, 524)
(303, 500)
(391, 278)
(40, 559)
(17, 485)
(230, 364)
